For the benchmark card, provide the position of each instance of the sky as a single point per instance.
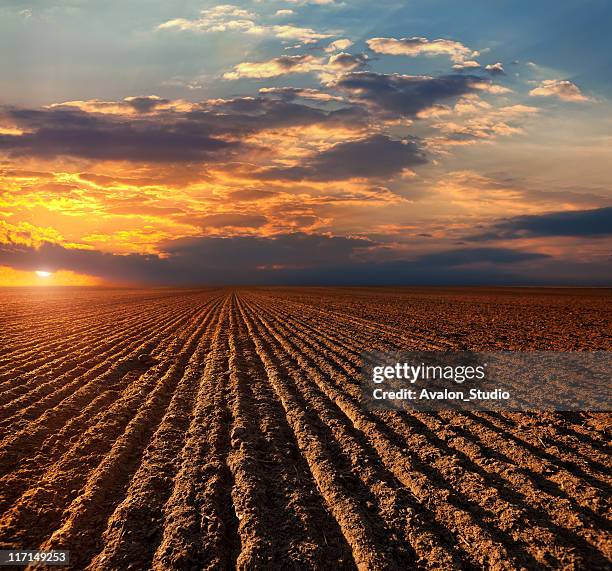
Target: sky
(305, 142)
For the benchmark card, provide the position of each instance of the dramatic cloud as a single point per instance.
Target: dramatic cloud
(421, 46)
(579, 223)
(375, 156)
(245, 115)
(207, 132)
(563, 89)
(406, 94)
(74, 133)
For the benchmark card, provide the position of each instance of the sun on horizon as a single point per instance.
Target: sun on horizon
(10, 277)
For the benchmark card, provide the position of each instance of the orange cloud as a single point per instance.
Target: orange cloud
(274, 67)
(563, 89)
(421, 46)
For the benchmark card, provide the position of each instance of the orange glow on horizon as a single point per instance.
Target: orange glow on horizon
(10, 277)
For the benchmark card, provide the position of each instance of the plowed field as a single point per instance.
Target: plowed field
(217, 428)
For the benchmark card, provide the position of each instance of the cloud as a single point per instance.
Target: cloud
(421, 46)
(282, 65)
(339, 45)
(478, 121)
(406, 94)
(242, 259)
(245, 115)
(211, 131)
(317, 2)
(227, 18)
(373, 157)
(221, 18)
(467, 64)
(308, 259)
(495, 68)
(563, 89)
(304, 35)
(347, 62)
(304, 63)
(578, 223)
(132, 267)
(469, 256)
(292, 93)
(59, 132)
(141, 104)
(233, 220)
(285, 250)
(251, 195)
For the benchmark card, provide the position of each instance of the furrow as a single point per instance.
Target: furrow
(87, 516)
(200, 526)
(283, 518)
(135, 528)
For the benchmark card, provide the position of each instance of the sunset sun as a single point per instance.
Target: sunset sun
(43, 274)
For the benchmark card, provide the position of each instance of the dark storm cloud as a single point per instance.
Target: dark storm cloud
(247, 253)
(405, 95)
(209, 133)
(304, 259)
(375, 156)
(245, 115)
(194, 260)
(578, 223)
(467, 256)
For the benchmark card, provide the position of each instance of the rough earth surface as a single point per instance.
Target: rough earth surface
(222, 428)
